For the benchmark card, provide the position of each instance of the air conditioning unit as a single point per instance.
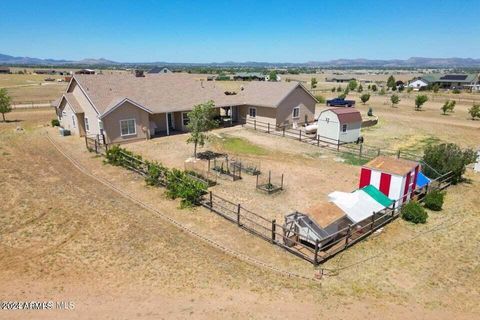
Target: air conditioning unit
(64, 132)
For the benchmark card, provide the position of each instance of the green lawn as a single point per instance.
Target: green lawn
(238, 145)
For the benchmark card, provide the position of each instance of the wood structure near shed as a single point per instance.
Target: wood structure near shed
(269, 185)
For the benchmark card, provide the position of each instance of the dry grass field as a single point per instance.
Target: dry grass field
(66, 236)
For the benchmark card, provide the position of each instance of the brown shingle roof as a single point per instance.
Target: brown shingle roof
(176, 92)
(73, 102)
(391, 165)
(347, 115)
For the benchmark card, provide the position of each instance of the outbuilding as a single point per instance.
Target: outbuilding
(339, 125)
(417, 84)
(395, 178)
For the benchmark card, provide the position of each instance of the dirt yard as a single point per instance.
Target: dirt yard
(66, 236)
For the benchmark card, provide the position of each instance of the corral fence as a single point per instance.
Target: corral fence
(358, 150)
(285, 236)
(96, 143)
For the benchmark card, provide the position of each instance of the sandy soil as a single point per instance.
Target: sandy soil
(67, 237)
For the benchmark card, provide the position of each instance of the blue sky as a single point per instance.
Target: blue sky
(208, 31)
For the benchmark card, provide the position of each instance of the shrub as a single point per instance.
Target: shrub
(414, 212)
(474, 111)
(320, 98)
(370, 112)
(447, 157)
(55, 123)
(365, 97)
(419, 101)
(455, 91)
(155, 172)
(179, 185)
(434, 200)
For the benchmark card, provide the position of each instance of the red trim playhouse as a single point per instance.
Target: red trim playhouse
(395, 178)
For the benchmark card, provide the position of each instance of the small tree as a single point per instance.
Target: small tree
(447, 157)
(414, 212)
(474, 111)
(342, 96)
(201, 120)
(313, 83)
(334, 89)
(391, 82)
(419, 101)
(394, 88)
(352, 84)
(374, 87)
(434, 200)
(365, 97)
(369, 87)
(435, 88)
(401, 88)
(339, 89)
(382, 92)
(394, 99)
(273, 76)
(360, 88)
(5, 103)
(320, 98)
(448, 106)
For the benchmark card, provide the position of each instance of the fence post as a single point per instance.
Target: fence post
(378, 152)
(211, 201)
(317, 247)
(96, 146)
(338, 145)
(318, 140)
(268, 127)
(360, 150)
(274, 226)
(254, 124)
(238, 214)
(348, 235)
(393, 208)
(398, 154)
(86, 142)
(282, 182)
(373, 222)
(283, 131)
(300, 135)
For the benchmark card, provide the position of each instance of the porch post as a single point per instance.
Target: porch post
(168, 125)
(231, 115)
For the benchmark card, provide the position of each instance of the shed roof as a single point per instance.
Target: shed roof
(346, 115)
(392, 165)
(325, 213)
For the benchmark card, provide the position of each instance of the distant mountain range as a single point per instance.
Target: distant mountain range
(414, 62)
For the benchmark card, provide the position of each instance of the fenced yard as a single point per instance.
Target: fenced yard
(292, 239)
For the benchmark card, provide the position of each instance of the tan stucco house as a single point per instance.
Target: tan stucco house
(126, 107)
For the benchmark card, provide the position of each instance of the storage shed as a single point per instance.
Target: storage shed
(395, 178)
(339, 125)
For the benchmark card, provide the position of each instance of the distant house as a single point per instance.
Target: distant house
(339, 79)
(417, 84)
(127, 108)
(446, 81)
(339, 125)
(45, 71)
(249, 76)
(4, 70)
(85, 71)
(159, 70)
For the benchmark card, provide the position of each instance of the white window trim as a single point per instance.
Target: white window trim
(293, 113)
(183, 120)
(134, 127)
(250, 108)
(87, 125)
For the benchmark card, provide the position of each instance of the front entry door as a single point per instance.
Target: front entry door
(171, 122)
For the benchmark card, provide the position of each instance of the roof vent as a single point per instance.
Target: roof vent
(139, 73)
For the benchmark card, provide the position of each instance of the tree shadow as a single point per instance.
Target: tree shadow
(11, 121)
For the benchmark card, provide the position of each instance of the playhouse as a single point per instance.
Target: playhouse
(395, 178)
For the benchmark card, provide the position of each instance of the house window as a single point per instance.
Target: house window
(73, 120)
(296, 112)
(185, 119)
(128, 127)
(87, 127)
(344, 128)
(252, 112)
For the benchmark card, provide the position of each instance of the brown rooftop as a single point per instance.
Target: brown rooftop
(175, 92)
(391, 165)
(325, 213)
(347, 115)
